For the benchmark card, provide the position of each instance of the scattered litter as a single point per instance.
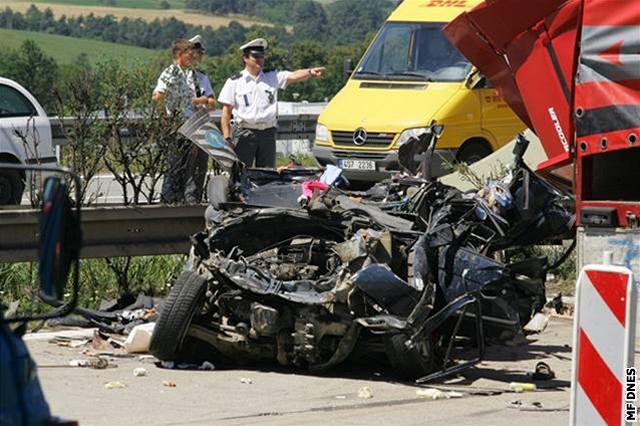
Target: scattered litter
(341, 397)
(100, 342)
(139, 372)
(522, 387)
(365, 392)
(115, 385)
(543, 372)
(246, 380)
(139, 338)
(207, 366)
(69, 342)
(431, 393)
(59, 336)
(525, 406)
(330, 174)
(79, 363)
(538, 323)
(147, 357)
(95, 363)
(534, 406)
(168, 383)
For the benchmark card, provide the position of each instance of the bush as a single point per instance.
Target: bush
(99, 280)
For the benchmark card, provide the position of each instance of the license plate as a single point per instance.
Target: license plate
(357, 164)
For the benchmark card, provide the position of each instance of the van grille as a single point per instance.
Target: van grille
(376, 140)
(360, 155)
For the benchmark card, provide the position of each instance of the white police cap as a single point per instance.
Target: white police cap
(196, 41)
(256, 45)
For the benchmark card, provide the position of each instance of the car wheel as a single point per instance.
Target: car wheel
(411, 363)
(179, 308)
(473, 151)
(11, 187)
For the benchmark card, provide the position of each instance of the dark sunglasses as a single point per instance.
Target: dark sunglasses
(257, 55)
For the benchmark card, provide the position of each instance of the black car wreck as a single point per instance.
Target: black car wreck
(407, 268)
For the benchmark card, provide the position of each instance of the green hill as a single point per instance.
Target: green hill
(134, 4)
(66, 49)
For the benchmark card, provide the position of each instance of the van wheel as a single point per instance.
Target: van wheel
(183, 303)
(473, 151)
(11, 187)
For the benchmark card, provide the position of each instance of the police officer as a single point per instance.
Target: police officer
(251, 97)
(197, 78)
(198, 161)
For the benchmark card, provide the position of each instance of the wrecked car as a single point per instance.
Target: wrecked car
(407, 269)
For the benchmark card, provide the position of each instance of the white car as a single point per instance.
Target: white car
(22, 119)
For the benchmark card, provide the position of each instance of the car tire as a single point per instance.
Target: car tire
(411, 363)
(11, 187)
(473, 151)
(179, 308)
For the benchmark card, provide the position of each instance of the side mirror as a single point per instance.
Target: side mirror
(476, 80)
(60, 239)
(347, 68)
(60, 242)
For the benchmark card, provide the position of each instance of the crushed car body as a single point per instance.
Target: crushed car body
(407, 269)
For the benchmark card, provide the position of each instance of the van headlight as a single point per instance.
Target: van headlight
(322, 133)
(408, 134)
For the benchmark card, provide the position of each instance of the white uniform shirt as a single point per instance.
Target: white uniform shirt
(254, 100)
(204, 84)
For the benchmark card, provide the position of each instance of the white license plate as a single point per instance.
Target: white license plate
(357, 164)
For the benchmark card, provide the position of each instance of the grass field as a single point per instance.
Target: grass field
(66, 49)
(130, 4)
(85, 7)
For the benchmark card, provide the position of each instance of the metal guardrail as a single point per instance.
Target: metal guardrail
(108, 231)
(300, 125)
(143, 230)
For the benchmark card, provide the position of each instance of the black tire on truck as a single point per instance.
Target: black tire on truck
(11, 187)
(183, 303)
(414, 363)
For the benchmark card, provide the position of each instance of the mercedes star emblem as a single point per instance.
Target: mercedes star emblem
(360, 136)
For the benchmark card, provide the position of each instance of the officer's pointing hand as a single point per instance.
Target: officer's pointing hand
(317, 72)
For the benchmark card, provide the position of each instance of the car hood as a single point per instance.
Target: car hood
(383, 106)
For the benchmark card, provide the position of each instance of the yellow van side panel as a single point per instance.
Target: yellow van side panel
(461, 117)
(498, 120)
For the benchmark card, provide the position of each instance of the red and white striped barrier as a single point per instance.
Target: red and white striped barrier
(603, 347)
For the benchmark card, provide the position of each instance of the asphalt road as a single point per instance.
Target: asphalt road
(283, 398)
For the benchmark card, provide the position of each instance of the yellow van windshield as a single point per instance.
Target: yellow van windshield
(415, 52)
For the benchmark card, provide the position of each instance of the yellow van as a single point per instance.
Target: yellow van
(410, 76)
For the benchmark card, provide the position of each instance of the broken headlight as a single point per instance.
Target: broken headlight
(409, 134)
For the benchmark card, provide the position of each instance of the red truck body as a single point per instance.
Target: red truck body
(570, 69)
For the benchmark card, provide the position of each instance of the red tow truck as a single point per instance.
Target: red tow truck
(570, 69)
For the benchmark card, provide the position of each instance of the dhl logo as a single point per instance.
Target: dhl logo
(447, 3)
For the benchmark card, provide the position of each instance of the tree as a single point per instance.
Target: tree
(29, 66)
(309, 21)
(352, 20)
